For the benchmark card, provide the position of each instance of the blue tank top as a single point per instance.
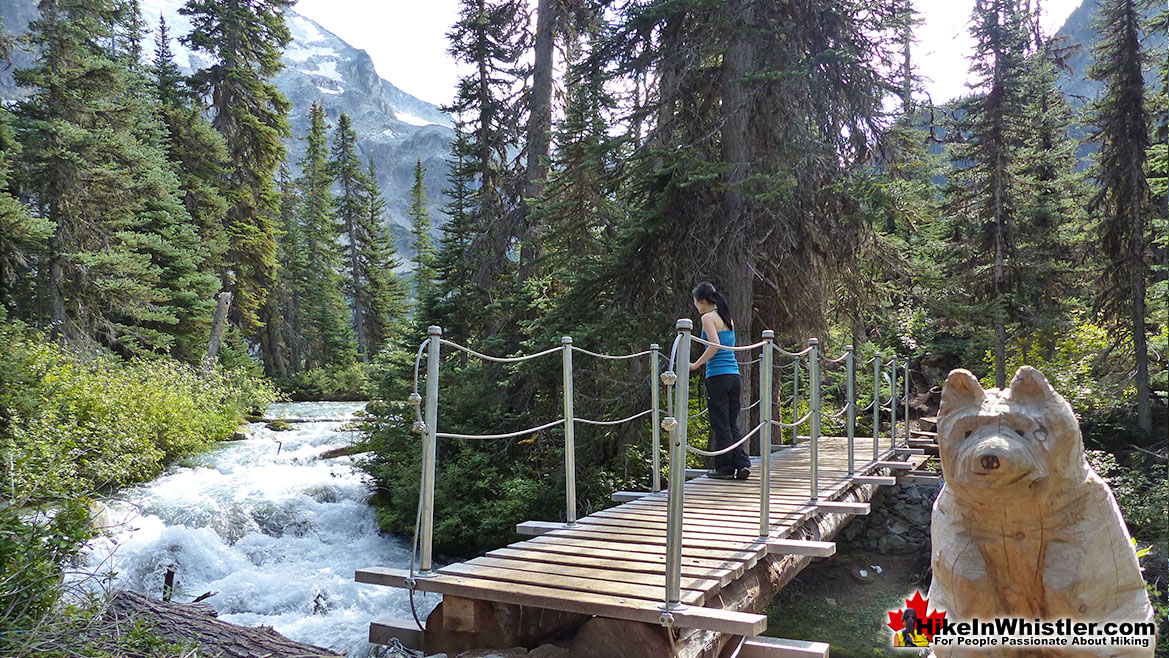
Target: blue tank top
(723, 362)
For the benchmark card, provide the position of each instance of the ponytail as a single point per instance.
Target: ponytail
(706, 292)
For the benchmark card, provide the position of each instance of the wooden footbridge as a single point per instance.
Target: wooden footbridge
(683, 571)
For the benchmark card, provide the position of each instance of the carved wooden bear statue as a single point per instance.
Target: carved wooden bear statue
(1024, 527)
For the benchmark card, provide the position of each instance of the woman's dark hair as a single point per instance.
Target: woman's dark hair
(706, 292)
(909, 618)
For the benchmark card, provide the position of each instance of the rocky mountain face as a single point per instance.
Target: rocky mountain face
(393, 127)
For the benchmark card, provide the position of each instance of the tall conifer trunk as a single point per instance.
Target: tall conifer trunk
(539, 121)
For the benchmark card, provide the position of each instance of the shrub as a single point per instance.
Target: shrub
(343, 382)
(70, 425)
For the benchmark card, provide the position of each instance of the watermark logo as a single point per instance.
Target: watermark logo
(915, 625)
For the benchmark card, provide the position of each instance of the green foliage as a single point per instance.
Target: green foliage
(35, 545)
(123, 267)
(420, 230)
(329, 338)
(1140, 491)
(350, 381)
(73, 425)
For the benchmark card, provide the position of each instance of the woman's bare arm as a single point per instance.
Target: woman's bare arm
(708, 328)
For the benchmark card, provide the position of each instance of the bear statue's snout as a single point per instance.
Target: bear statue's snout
(998, 458)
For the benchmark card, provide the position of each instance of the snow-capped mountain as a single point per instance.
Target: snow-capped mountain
(393, 127)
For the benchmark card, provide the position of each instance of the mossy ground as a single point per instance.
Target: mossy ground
(826, 603)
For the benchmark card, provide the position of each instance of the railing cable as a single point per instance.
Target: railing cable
(736, 444)
(500, 359)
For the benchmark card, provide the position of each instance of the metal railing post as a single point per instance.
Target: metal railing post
(850, 394)
(893, 404)
(765, 434)
(678, 469)
(655, 416)
(569, 434)
(905, 385)
(429, 448)
(814, 433)
(876, 405)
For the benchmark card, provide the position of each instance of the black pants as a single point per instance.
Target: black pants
(722, 398)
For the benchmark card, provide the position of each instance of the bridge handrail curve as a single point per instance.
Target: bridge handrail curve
(736, 444)
(509, 435)
(588, 421)
(796, 423)
(499, 359)
(612, 357)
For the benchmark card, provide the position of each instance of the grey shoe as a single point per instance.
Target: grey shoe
(721, 474)
(742, 474)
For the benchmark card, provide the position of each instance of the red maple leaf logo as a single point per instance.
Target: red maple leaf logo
(927, 623)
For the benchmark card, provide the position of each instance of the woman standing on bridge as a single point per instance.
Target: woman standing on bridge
(722, 383)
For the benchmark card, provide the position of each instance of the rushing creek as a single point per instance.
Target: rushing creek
(269, 527)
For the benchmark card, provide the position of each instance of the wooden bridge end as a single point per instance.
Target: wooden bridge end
(774, 647)
(629, 496)
(878, 480)
(537, 528)
(859, 509)
(801, 547)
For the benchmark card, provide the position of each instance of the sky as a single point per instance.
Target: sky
(407, 40)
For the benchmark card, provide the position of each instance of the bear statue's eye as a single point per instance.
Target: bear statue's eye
(1041, 433)
(968, 433)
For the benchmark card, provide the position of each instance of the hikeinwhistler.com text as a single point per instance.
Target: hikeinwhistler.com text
(1017, 632)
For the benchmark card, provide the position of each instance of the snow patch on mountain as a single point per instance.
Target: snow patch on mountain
(411, 119)
(327, 69)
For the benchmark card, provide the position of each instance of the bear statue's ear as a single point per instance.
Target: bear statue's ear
(1030, 387)
(961, 389)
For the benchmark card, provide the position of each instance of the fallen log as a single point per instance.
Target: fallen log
(185, 623)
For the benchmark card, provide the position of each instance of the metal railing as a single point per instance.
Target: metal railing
(675, 423)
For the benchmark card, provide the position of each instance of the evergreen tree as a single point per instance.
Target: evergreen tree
(579, 208)
(420, 230)
(987, 190)
(1121, 127)
(168, 79)
(349, 176)
(197, 152)
(330, 341)
(244, 39)
(451, 303)
(490, 37)
(21, 232)
(1052, 223)
(122, 266)
(384, 291)
(284, 344)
